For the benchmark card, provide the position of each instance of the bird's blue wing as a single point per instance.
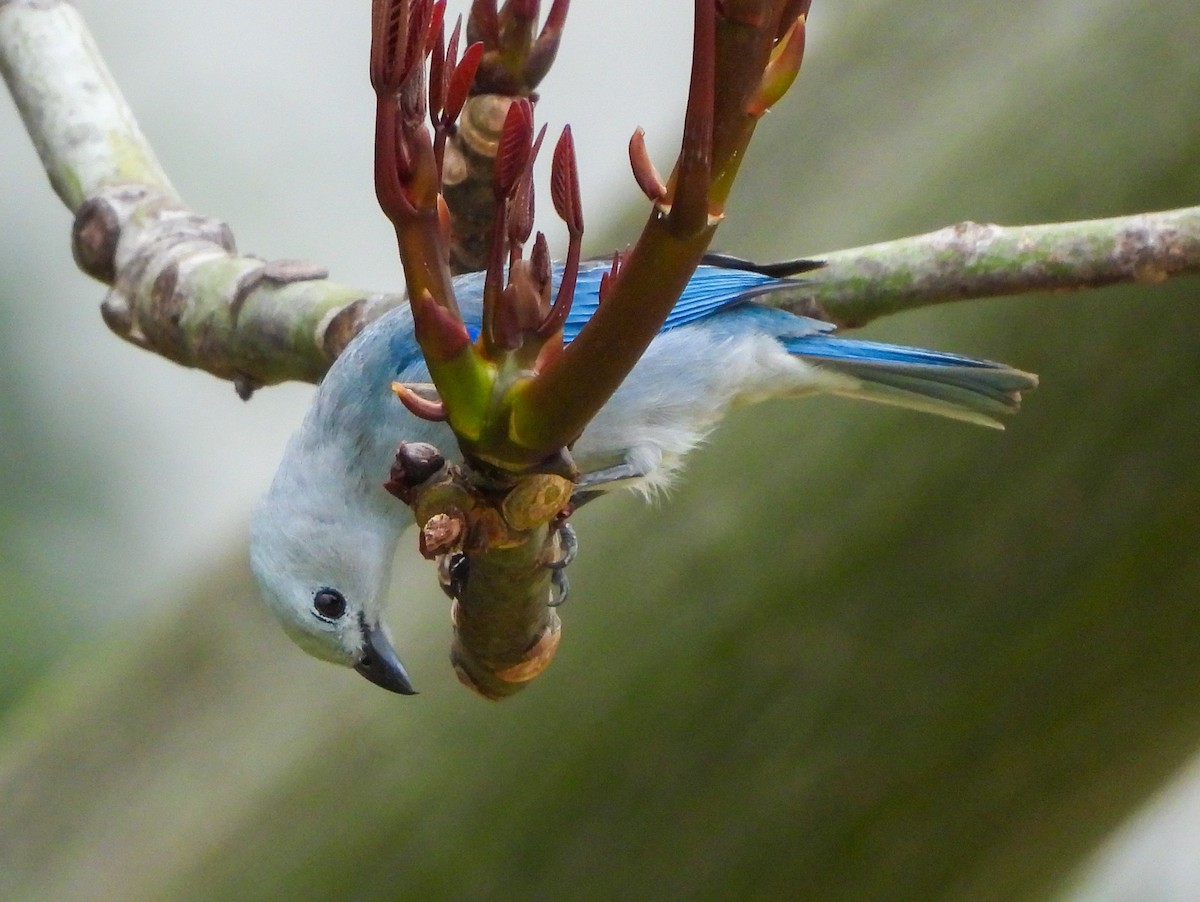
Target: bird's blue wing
(710, 290)
(723, 298)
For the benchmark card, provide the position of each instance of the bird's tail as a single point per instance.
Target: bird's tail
(962, 388)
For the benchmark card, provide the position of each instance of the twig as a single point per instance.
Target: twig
(974, 260)
(179, 286)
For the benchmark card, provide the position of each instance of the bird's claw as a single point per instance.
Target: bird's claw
(568, 545)
(560, 588)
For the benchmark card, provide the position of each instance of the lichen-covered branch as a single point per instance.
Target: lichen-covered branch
(977, 260)
(82, 128)
(179, 286)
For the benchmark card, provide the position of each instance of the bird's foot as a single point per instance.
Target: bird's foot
(564, 545)
(599, 482)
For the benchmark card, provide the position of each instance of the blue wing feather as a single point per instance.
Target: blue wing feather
(949, 384)
(830, 347)
(710, 290)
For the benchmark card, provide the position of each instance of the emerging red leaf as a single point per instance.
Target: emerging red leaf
(460, 83)
(564, 183)
(516, 141)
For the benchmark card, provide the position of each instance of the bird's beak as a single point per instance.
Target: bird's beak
(379, 663)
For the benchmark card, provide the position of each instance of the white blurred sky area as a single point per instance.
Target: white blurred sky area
(261, 114)
(1155, 856)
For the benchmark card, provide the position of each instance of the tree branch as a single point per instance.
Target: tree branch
(82, 128)
(181, 290)
(179, 286)
(973, 260)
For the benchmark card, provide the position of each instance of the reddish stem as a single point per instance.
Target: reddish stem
(555, 407)
(689, 205)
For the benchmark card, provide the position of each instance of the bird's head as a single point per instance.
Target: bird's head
(325, 577)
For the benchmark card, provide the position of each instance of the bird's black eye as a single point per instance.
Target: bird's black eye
(329, 604)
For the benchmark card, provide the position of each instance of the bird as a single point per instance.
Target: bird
(323, 537)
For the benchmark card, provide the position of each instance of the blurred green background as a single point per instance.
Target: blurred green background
(858, 654)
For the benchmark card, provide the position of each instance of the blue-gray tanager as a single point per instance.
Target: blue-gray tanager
(322, 540)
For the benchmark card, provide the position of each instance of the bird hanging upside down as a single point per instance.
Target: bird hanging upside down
(323, 539)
